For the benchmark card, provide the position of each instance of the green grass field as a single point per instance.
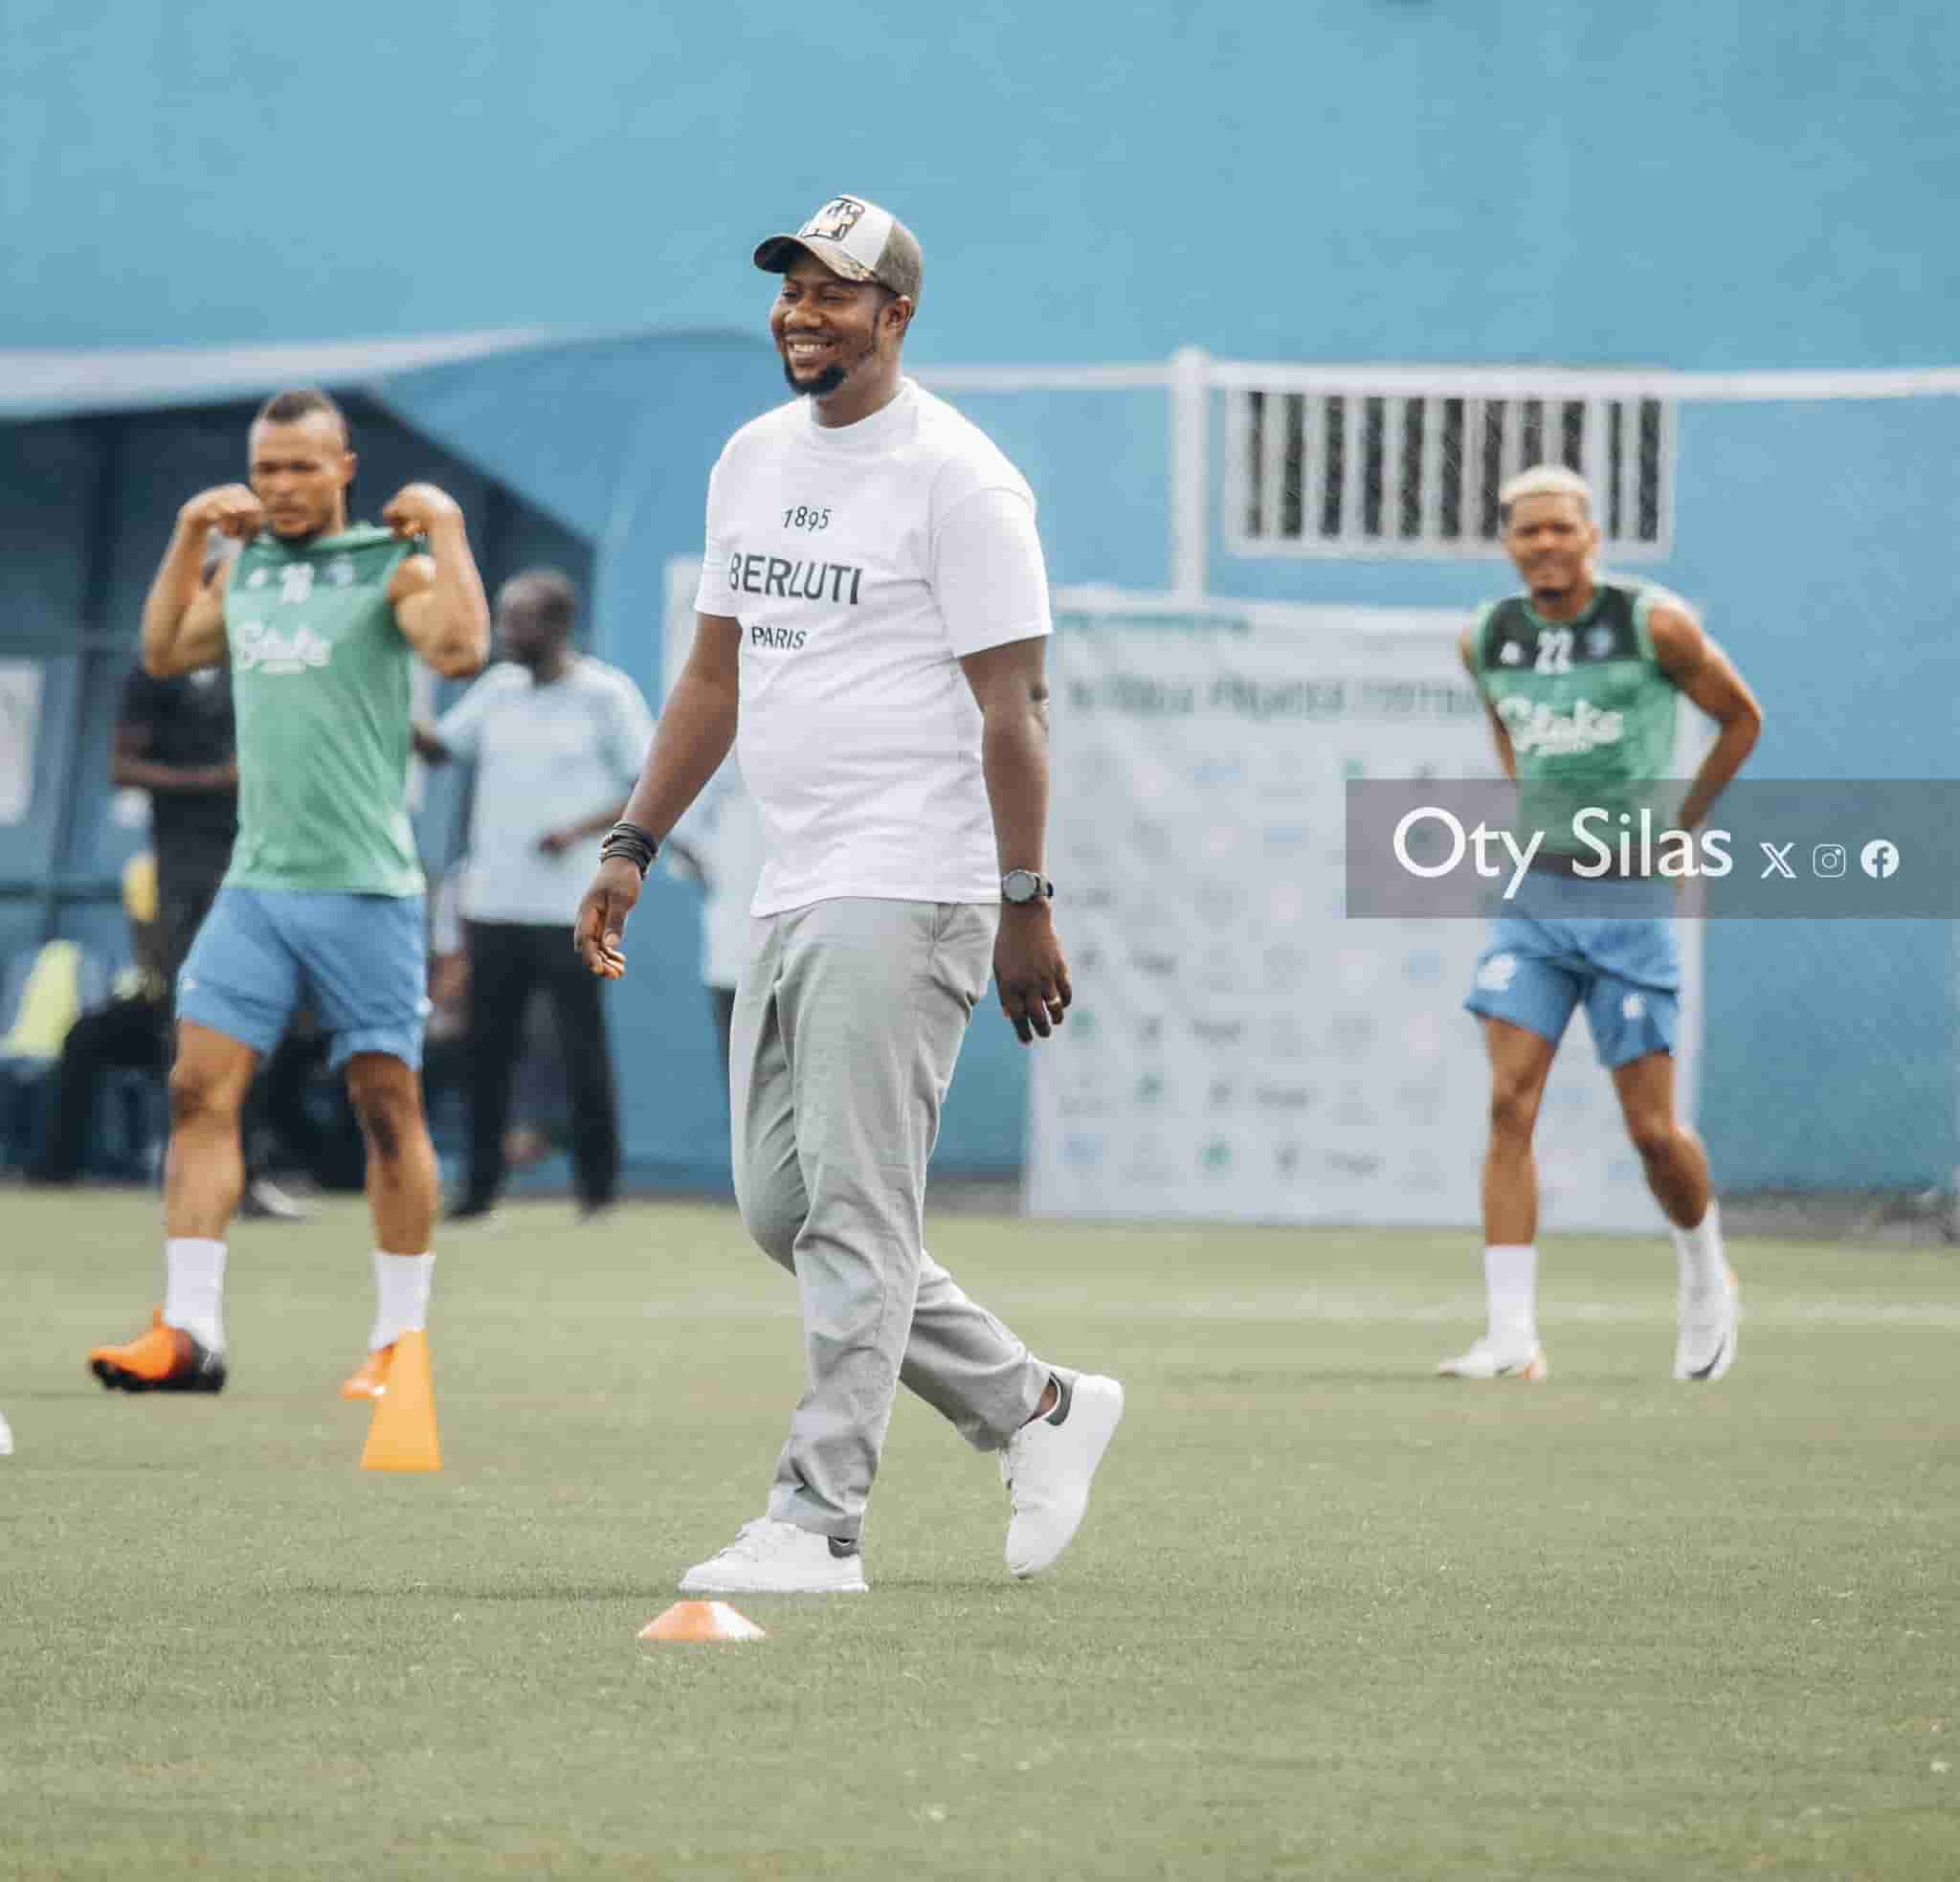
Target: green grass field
(1329, 1617)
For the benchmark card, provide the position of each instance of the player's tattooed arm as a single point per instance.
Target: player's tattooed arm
(438, 598)
(1708, 677)
(184, 612)
(1500, 732)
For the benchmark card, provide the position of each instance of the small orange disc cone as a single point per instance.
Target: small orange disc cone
(700, 1620)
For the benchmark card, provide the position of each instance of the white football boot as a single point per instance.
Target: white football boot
(6, 1437)
(771, 1557)
(1048, 1467)
(1705, 1330)
(1497, 1358)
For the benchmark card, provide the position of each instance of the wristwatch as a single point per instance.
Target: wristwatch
(1020, 886)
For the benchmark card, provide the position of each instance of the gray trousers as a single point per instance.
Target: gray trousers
(847, 1026)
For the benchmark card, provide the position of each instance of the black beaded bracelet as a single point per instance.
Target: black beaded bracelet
(630, 840)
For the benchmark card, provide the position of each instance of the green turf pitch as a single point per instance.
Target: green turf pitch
(1330, 1616)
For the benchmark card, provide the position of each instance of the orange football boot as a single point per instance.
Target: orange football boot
(370, 1378)
(163, 1359)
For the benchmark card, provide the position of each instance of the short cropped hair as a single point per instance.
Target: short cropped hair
(288, 408)
(553, 593)
(1543, 481)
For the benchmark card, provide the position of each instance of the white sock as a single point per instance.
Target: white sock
(1511, 1278)
(194, 1293)
(1703, 1266)
(401, 1296)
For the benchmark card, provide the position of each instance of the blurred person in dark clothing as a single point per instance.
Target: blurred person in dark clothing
(175, 739)
(540, 1119)
(557, 739)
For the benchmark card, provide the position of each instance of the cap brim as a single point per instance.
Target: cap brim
(777, 256)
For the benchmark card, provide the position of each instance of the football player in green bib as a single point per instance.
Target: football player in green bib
(1581, 676)
(322, 903)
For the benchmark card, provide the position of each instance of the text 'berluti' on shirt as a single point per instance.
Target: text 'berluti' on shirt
(863, 562)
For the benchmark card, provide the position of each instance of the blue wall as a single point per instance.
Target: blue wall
(1686, 182)
(1814, 536)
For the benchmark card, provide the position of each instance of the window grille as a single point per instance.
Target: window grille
(1417, 473)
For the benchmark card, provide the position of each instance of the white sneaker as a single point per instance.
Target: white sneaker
(771, 1557)
(1705, 1343)
(1047, 1468)
(1491, 1358)
(6, 1437)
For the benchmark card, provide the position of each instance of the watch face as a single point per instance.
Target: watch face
(1019, 886)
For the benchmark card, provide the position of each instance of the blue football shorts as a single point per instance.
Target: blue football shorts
(360, 961)
(1612, 945)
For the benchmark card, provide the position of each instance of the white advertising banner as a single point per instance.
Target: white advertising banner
(1238, 1047)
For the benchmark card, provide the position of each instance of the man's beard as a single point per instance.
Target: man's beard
(822, 386)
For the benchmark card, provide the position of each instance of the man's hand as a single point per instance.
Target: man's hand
(417, 508)
(1029, 970)
(602, 916)
(555, 843)
(230, 508)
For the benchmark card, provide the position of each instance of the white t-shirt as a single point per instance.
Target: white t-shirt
(546, 757)
(863, 563)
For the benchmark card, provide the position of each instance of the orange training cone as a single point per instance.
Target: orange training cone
(702, 1620)
(403, 1434)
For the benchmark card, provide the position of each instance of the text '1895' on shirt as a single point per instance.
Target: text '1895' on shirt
(863, 563)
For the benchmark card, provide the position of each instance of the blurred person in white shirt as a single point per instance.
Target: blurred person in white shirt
(557, 739)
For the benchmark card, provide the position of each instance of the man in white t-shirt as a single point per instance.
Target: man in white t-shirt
(873, 613)
(558, 739)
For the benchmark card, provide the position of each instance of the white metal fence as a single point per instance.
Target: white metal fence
(1403, 463)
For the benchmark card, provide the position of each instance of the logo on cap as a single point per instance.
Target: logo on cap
(835, 220)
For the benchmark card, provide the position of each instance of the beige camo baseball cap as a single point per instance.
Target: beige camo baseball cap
(854, 239)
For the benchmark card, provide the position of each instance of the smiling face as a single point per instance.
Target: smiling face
(1553, 539)
(838, 340)
(300, 471)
